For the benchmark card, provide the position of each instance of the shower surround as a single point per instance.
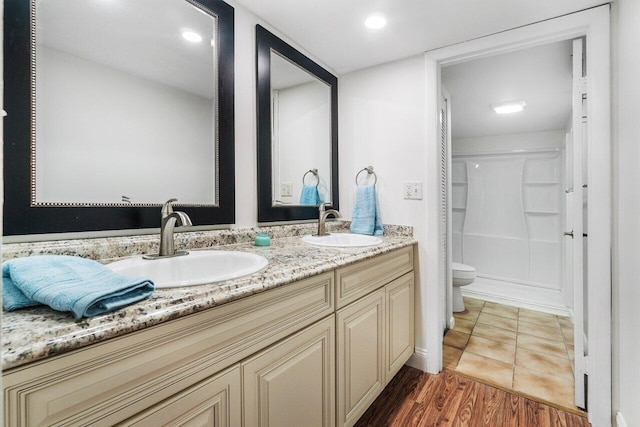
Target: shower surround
(508, 218)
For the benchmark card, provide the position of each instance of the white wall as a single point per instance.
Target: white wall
(304, 139)
(89, 115)
(381, 114)
(626, 213)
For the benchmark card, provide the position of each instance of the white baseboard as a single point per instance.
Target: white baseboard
(620, 420)
(419, 360)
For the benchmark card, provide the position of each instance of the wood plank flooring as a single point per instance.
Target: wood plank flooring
(417, 399)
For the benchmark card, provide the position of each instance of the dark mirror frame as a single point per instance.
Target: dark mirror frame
(265, 43)
(21, 218)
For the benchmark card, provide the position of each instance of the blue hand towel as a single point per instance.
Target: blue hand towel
(67, 283)
(365, 218)
(309, 195)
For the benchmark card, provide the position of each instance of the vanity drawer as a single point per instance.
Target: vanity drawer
(357, 280)
(106, 383)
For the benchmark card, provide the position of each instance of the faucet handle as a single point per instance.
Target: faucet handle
(167, 208)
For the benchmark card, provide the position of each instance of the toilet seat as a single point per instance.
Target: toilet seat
(462, 267)
(463, 271)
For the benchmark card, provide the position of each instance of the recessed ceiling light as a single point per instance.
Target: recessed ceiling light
(375, 22)
(191, 36)
(509, 107)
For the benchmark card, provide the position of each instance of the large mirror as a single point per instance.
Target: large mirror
(114, 107)
(297, 132)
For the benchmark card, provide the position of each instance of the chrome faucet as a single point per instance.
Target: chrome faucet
(322, 217)
(170, 220)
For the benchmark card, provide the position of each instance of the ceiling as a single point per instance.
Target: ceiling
(333, 32)
(541, 76)
(124, 36)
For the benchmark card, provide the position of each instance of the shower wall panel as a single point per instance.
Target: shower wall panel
(508, 210)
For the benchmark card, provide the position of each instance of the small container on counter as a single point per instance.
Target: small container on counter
(262, 239)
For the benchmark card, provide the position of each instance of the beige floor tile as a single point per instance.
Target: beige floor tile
(456, 339)
(468, 314)
(547, 387)
(557, 366)
(542, 345)
(450, 356)
(567, 335)
(499, 322)
(487, 369)
(509, 314)
(500, 310)
(493, 349)
(565, 322)
(540, 331)
(465, 326)
(544, 319)
(570, 353)
(493, 333)
(473, 303)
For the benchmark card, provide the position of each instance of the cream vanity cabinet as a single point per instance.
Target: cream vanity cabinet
(176, 373)
(215, 401)
(313, 353)
(375, 332)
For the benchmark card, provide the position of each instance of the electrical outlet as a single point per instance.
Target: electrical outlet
(413, 190)
(286, 189)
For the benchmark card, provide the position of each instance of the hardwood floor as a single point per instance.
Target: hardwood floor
(416, 399)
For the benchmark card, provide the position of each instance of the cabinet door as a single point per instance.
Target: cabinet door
(360, 356)
(293, 383)
(214, 402)
(399, 321)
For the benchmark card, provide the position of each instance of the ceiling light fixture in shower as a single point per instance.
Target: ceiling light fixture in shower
(375, 22)
(509, 107)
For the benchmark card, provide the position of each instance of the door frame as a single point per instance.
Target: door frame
(445, 169)
(595, 26)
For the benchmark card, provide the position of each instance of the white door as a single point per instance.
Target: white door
(576, 210)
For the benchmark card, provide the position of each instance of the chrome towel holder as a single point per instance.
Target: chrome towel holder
(315, 173)
(369, 170)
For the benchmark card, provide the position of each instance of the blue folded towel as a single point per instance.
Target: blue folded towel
(67, 283)
(365, 218)
(309, 195)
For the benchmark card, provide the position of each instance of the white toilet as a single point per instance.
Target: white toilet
(462, 275)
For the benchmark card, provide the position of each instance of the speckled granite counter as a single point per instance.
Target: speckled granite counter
(32, 334)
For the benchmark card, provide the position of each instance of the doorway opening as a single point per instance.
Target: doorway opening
(593, 25)
(508, 190)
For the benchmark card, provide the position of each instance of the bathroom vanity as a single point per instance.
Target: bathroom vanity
(309, 341)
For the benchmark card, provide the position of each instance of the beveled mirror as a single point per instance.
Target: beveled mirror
(297, 132)
(113, 108)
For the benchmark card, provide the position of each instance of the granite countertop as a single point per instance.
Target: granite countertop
(33, 334)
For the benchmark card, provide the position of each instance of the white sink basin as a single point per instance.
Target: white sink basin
(344, 240)
(196, 268)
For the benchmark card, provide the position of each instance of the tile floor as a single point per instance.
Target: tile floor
(520, 350)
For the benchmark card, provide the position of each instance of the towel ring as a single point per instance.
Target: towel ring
(369, 170)
(314, 172)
